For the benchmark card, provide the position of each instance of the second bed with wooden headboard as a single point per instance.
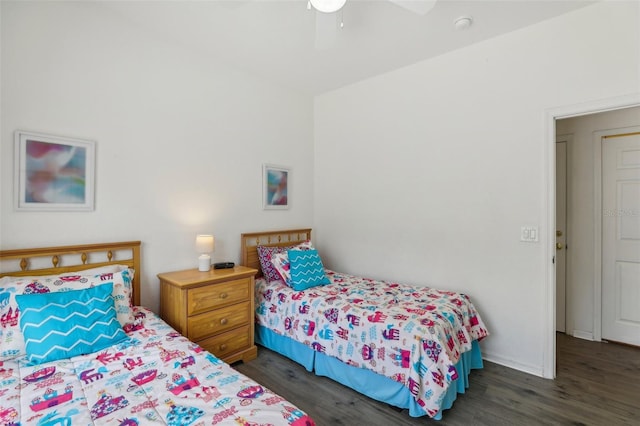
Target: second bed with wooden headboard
(77, 349)
(250, 241)
(411, 347)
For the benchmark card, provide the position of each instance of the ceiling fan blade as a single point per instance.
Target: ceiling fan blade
(421, 7)
(326, 30)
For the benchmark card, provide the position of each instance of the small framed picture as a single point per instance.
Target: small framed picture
(275, 187)
(53, 173)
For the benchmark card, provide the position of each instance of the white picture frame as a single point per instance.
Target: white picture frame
(276, 182)
(53, 173)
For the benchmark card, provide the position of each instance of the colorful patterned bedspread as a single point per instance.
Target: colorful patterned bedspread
(156, 377)
(413, 335)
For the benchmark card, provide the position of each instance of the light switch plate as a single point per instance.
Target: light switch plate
(529, 234)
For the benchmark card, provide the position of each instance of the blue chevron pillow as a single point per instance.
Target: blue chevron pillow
(306, 269)
(69, 323)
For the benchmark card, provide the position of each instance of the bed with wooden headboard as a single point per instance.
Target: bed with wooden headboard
(411, 347)
(114, 373)
(250, 241)
(73, 258)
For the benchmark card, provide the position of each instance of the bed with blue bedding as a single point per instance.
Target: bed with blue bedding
(75, 348)
(409, 346)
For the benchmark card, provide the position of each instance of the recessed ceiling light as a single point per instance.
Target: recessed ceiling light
(463, 22)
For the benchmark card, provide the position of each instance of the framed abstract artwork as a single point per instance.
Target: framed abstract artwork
(53, 173)
(275, 187)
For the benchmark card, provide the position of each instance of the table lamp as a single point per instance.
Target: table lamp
(204, 246)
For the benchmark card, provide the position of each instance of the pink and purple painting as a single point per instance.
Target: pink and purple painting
(276, 187)
(54, 174)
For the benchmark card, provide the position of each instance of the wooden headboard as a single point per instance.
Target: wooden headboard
(57, 260)
(250, 241)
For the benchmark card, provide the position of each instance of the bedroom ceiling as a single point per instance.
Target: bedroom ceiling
(276, 39)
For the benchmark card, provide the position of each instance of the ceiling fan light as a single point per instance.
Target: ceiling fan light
(327, 6)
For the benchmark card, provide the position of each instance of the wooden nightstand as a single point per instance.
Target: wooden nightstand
(214, 309)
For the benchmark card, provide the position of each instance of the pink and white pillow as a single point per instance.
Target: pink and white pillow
(11, 338)
(282, 264)
(266, 253)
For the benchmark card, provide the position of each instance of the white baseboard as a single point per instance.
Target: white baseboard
(536, 370)
(585, 335)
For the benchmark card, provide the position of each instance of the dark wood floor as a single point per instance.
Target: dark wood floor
(596, 384)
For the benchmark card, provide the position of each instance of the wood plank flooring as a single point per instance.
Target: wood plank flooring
(596, 384)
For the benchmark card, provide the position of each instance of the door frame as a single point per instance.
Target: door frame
(549, 212)
(567, 139)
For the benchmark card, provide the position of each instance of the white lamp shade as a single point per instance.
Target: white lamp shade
(327, 6)
(204, 243)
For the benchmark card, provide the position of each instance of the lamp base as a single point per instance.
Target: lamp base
(204, 263)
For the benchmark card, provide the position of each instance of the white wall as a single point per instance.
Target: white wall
(424, 175)
(427, 173)
(181, 138)
(580, 211)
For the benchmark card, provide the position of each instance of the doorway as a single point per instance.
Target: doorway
(582, 268)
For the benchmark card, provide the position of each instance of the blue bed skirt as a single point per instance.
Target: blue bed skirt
(364, 381)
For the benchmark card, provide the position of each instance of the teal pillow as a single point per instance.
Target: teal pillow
(68, 323)
(306, 269)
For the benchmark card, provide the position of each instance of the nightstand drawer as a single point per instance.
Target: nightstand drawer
(218, 321)
(227, 343)
(209, 297)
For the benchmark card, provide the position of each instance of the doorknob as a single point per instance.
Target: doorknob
(559, 246)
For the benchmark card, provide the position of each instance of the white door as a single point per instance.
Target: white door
(561, 231)
(621, 238)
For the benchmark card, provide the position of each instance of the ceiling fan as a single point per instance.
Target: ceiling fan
(421, 7)
(326, 20)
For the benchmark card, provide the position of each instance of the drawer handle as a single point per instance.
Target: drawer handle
(223, 347)
(223, 295)
(224, 321)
